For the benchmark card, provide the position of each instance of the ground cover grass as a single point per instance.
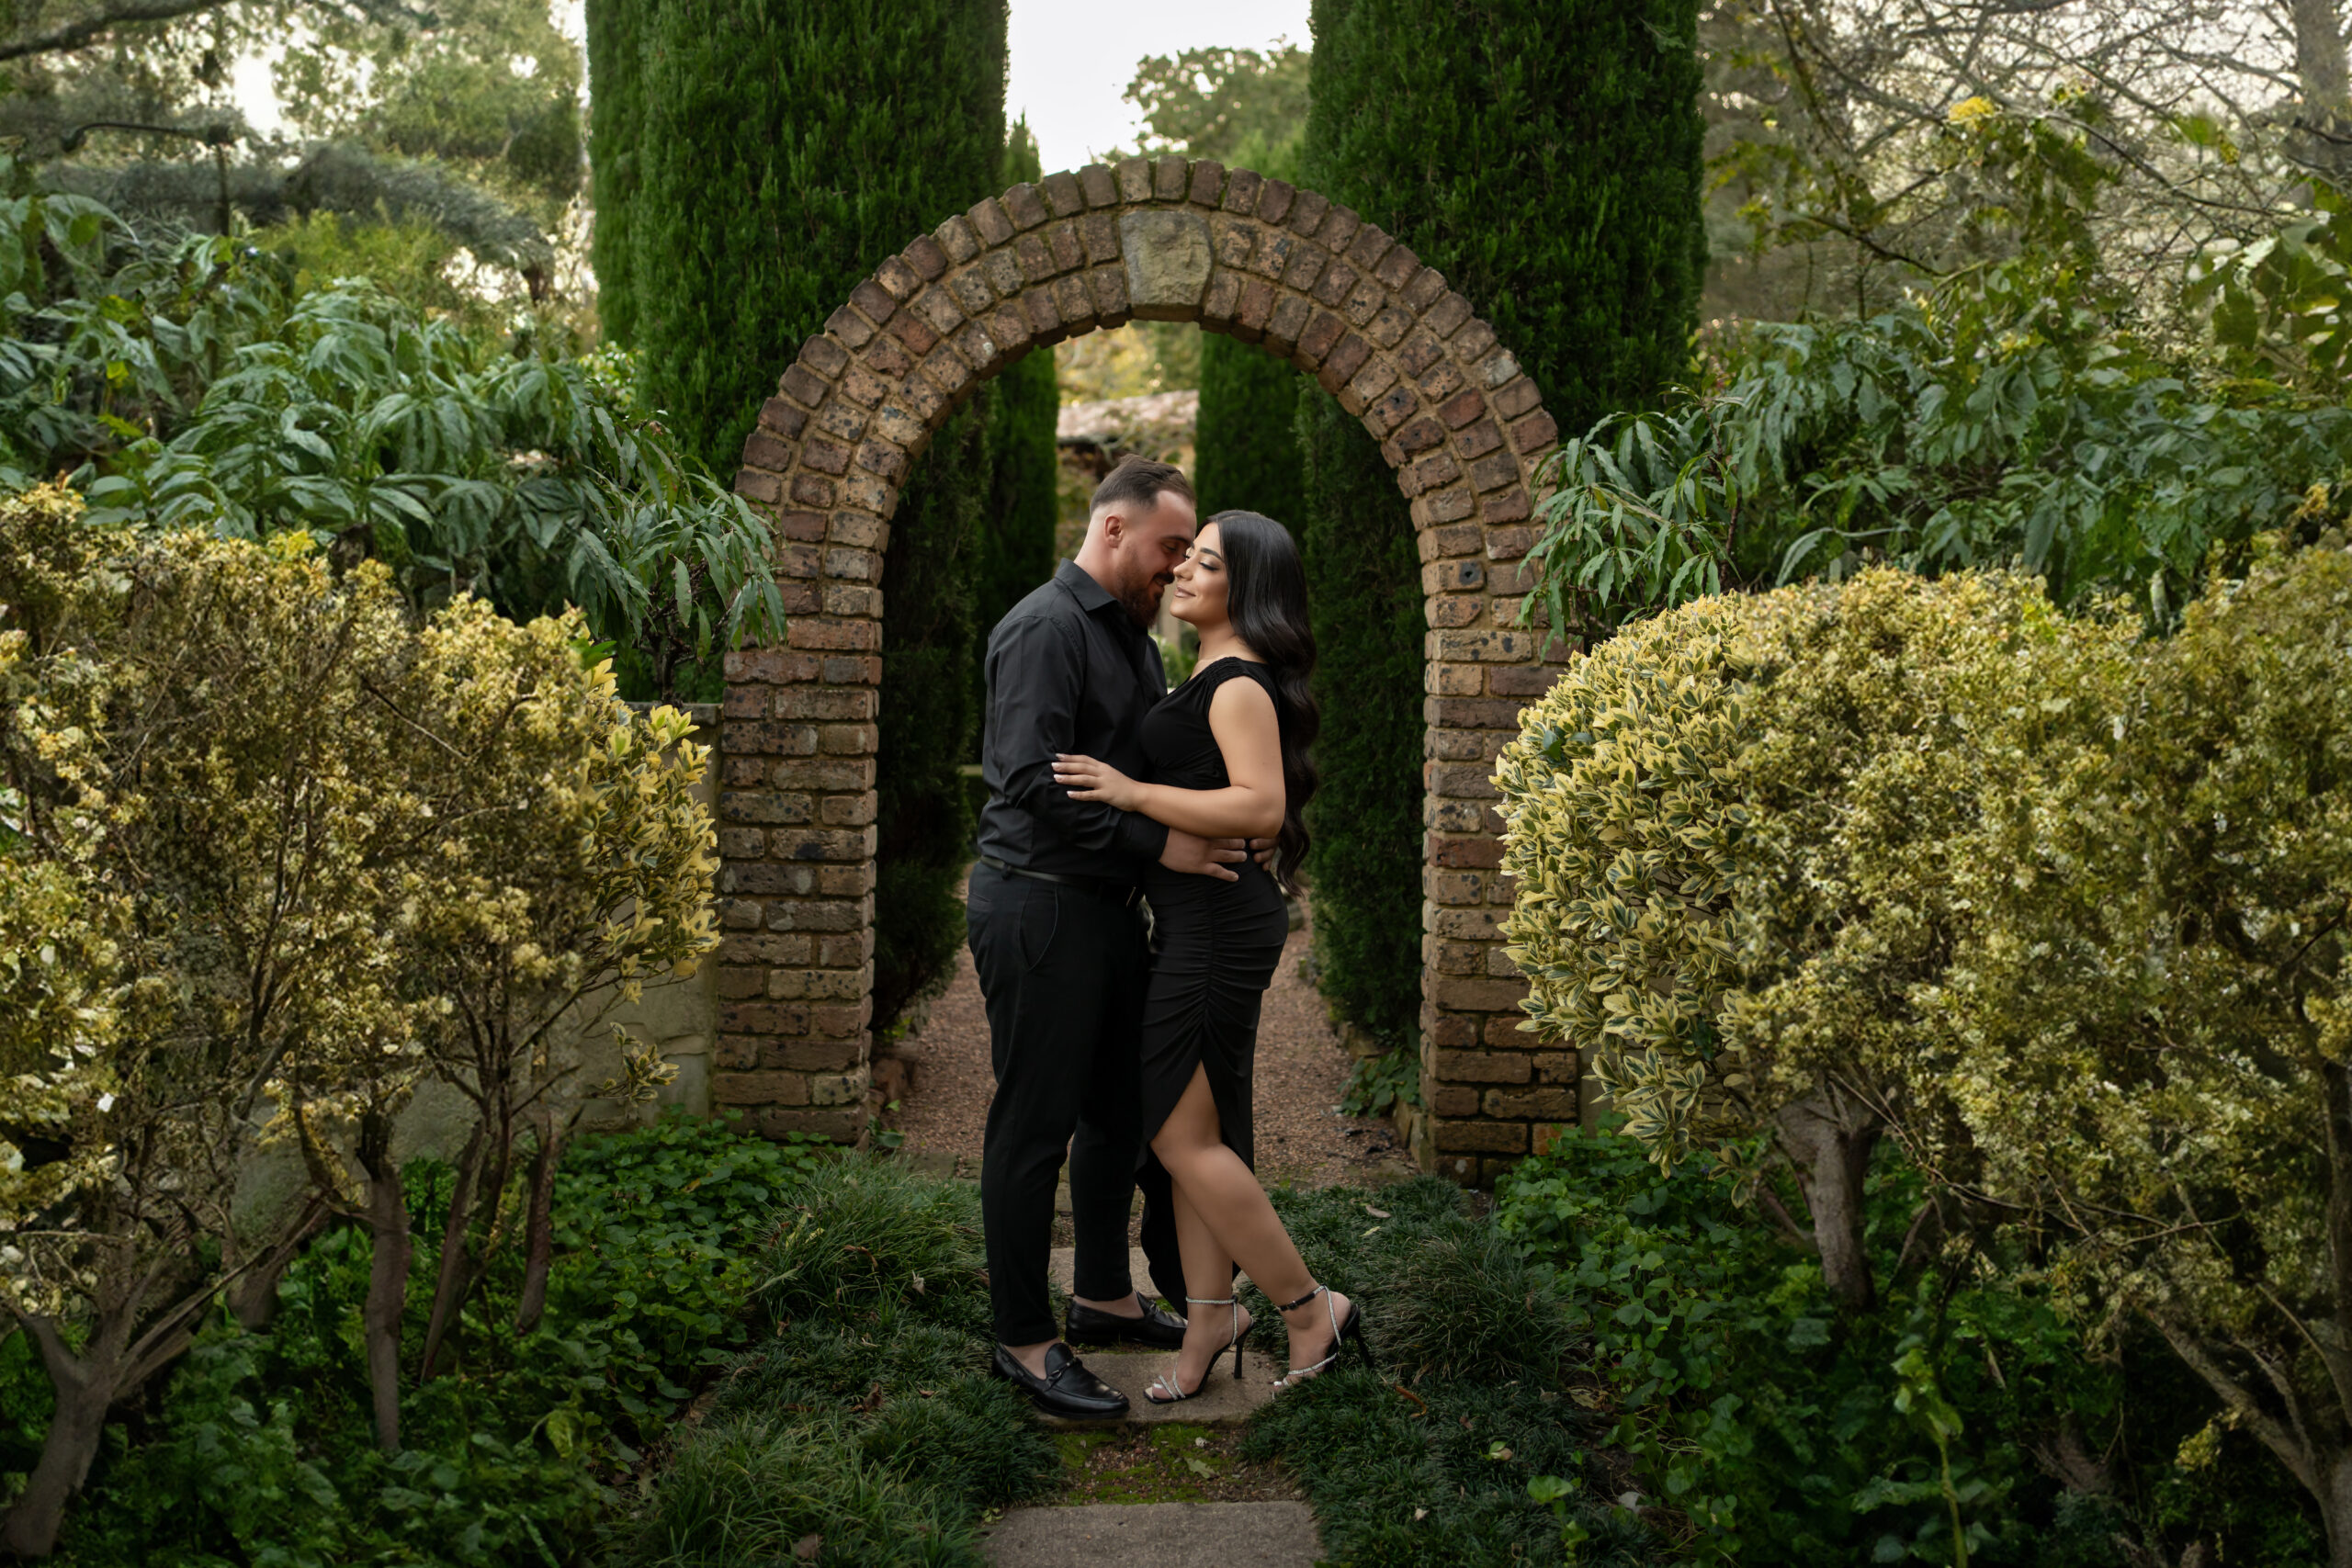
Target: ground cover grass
(1428, 1460)
(862, 1425)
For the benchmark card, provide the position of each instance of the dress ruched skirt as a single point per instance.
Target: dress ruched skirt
(1214, 946)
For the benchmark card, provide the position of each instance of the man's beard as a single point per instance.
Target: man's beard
(1142, 599)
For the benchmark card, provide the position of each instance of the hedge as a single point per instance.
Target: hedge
(1545, 156)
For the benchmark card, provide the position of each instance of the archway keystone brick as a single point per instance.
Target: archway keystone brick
(1157, 239)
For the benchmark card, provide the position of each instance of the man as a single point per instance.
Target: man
(1057, 938)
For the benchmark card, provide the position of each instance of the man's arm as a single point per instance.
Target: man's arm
(1036, 676)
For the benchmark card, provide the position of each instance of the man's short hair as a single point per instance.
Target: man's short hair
(1139, 482)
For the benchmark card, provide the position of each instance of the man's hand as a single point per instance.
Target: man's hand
(1262, 852)
(1196, 856)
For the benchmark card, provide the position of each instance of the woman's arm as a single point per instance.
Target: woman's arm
(1242, 717)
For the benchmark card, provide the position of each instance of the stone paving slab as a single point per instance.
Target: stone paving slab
(1157, 1535)
(1223, 1402)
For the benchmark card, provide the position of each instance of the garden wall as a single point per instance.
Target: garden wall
(1263, 262)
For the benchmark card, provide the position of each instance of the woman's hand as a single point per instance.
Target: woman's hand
(1087, 779)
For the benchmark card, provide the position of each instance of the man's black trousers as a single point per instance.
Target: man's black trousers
(1062, 971)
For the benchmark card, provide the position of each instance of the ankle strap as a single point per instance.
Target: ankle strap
(1293, 1306)
(1208, 1301)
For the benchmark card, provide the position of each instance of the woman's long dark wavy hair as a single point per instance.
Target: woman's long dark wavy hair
(1266, 601)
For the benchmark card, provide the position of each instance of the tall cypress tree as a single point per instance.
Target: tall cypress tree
(788, 147)
(616, 126)
(1545, 156)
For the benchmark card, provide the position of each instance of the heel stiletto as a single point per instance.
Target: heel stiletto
(1176, 1394)
(1341, 1334)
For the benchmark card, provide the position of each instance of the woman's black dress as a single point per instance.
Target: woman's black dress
(1215, 943)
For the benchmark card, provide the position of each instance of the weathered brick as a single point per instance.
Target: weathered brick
(1494, 472)
(1169, 179)
(759, 489)
(806, 384)
(1446, 318)
(762, 1087)
(819, 1053)
(1096, 183)
(1338, 228)
(1289, 320)
(1064, 198)
(1308, 211)
(1529, 1104)
(1206, 184)
(1321, 334)
(820, 915)
(761, 1018)
(1024, 206)
(989, 223)
(1520, 680)
(1485, 1137)
(1481, 1066)
(1464, 850)
(1133, 176)
(1241, 188)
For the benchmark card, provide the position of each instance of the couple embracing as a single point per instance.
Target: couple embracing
(1107, 791)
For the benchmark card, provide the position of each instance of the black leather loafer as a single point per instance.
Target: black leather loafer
(1158, 1327)
(1067, 1389)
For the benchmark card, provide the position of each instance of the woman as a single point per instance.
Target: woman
(1230, 750)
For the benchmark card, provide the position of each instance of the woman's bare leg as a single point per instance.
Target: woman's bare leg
(1208, 1274)
(1226, 1197)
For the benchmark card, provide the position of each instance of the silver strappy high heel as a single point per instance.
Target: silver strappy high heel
(1341, 1333)
(1167, 1380)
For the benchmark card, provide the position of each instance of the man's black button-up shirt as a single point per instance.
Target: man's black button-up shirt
(1067, 671)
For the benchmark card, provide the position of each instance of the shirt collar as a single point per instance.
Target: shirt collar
(1080, 585)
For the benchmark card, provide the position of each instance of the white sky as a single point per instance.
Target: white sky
(1072, 59)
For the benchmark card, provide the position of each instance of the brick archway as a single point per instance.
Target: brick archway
(1152, 239)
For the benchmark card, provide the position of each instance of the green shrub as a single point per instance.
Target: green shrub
(258, 1446)
(1748, 1407)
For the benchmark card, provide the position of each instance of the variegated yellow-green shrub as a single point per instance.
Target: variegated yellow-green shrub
(262, 836)
(1732, 830)
(2155, 1016)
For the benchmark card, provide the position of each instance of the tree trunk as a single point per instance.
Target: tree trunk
(253, 1298)
(2334, 1494)
(387, 1278)
(539, 1236)
(1833, 1151)
(2321, 69)
(450, 1284)
(84, 1390)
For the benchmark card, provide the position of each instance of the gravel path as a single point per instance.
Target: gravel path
(1302, 1138)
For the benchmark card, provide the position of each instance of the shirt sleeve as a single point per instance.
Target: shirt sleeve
(1034, 675)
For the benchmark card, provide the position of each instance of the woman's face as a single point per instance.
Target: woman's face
(1199, 595)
